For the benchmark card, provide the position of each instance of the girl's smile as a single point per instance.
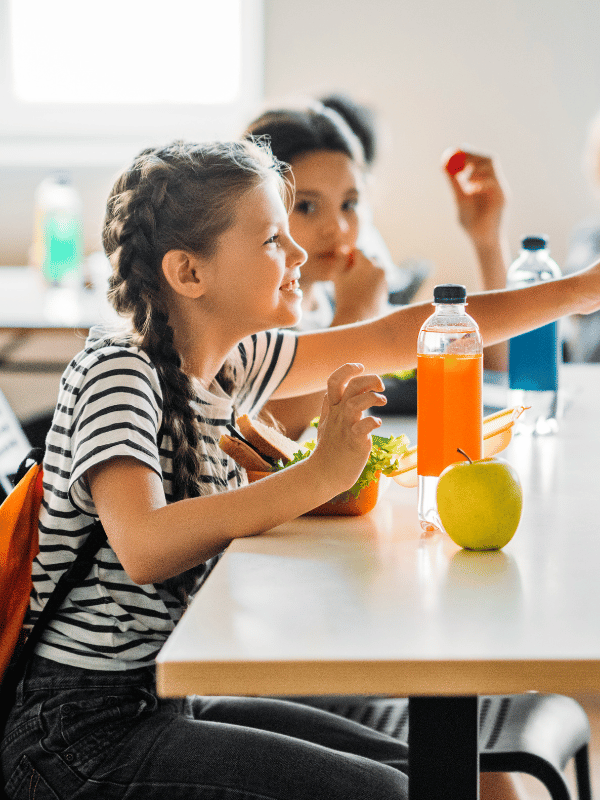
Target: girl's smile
(292, 286)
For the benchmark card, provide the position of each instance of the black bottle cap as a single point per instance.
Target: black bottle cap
(450, 293)
(534, 242)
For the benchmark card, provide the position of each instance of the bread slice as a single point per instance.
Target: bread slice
(267, 440)
(243, 455)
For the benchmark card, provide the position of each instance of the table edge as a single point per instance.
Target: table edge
(392, 678)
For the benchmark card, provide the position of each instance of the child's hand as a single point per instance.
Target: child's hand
(344, 435)
(361, 289)
(480, 192)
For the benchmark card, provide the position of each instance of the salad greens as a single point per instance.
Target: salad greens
(403, 375)
(384, 457)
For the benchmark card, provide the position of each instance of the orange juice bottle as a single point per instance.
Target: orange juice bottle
(449, 405)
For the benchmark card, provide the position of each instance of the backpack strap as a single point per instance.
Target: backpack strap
(34, 456)
(74, 575)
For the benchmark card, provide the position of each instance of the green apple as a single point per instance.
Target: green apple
(479, 503)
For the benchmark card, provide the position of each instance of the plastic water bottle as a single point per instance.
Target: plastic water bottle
(533, 357)
(449, 394)
(57, 246)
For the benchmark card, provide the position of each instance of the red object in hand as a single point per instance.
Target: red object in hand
(456, 163)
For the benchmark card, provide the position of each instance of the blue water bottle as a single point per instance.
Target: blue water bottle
(533, 358)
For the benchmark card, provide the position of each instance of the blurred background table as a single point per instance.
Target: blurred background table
(30, 309)
(41, 329)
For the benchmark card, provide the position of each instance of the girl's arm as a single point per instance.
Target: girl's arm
(294, 414)
(480, 193)
(155, 541)
(361, 292)
(389, 343)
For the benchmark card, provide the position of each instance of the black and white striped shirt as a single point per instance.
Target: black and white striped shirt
(110, 404)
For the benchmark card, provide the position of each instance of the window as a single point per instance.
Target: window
(122, 73)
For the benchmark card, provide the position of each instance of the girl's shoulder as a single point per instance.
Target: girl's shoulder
(262, 362)
(265, 347)
(106, 351)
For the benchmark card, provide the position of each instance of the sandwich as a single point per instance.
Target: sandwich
(257, 447)
(261, 449)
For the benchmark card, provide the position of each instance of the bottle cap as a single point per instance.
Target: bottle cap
(534, 242)
(450, 293)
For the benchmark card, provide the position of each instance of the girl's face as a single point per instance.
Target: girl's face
(256, 267)
(324, 219)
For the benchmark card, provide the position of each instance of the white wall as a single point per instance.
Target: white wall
(517, 77)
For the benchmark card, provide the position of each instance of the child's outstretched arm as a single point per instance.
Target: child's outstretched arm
(155, 541)
(389, 343)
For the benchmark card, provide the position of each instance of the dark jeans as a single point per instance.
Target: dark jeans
(83, 734)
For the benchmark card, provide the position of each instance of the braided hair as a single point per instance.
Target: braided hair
(182, 196)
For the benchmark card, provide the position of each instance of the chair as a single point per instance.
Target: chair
(537, 734)
(14, 446)
(409, 278)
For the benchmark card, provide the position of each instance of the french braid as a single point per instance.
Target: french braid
(182, 196)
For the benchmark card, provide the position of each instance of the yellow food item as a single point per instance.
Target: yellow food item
(497, 433)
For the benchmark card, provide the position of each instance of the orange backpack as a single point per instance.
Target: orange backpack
(19, 545)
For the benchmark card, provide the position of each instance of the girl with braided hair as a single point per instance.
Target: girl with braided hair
(206, 274)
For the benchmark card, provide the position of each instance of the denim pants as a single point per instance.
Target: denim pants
(76, 733)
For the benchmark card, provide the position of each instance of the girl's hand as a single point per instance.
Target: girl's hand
(480, 191)
(344, 435)
(361, 290)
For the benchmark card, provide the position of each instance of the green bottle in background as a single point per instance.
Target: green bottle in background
(58, 236)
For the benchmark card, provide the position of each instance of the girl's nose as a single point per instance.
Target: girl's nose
(335, 226)
(296, 255)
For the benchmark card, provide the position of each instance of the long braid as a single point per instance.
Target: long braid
(179, 197)
(180, 419)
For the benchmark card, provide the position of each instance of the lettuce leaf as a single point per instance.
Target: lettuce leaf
(402, 375)
(384, 457)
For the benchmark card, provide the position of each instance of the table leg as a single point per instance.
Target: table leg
(443, 751)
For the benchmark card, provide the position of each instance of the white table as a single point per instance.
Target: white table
(369, 605)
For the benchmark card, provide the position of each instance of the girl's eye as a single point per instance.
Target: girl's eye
(305, 207)
(350, 205)
(273, 239)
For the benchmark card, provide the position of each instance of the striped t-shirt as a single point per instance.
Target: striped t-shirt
(110, 404)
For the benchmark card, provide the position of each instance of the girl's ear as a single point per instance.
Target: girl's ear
(183, 273)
